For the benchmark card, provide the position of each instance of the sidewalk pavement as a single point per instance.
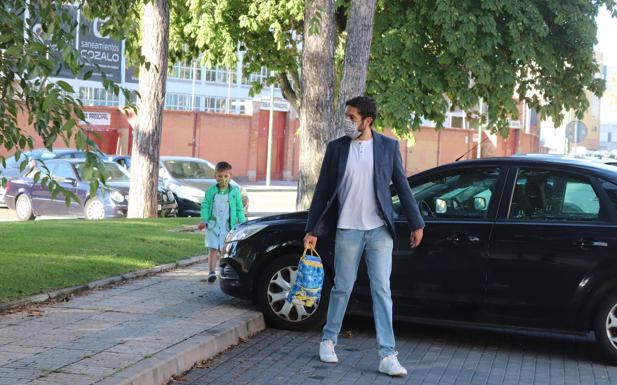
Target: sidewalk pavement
(141, 332)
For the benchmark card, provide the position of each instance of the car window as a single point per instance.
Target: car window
(611, 191)
(464, 193)
(113, 171)
(12, 163)
(125, 162)
(189, 169)
(550, 195)
(39, 167)
(62, 170)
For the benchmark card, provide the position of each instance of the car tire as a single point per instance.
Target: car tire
(605, 327)
(274, 284)
(23, 208)
(94, 209)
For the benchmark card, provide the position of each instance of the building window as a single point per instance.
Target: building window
(175, 101)
(457, 122)
(257, 77)
(183, 71)
(91, 96)
(595, 106)
(214, 104)
(533, 117)
(219, 104)
(220, 75)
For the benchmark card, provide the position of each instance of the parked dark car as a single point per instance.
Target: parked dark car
(13, 166)
(524, 242)
(188, 178)
(30, 199)
(122, 160)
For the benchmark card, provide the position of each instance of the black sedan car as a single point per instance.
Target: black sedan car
(30, 199)
(524, 241)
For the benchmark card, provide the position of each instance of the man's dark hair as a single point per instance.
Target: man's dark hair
(222, 166)
(366, 106)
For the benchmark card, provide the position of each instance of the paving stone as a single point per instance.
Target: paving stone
(432, 355)
(92, 336)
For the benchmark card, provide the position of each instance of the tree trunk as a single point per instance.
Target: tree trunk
(357, 49)
(147, 134)
(316, 112)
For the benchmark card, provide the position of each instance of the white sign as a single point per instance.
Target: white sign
(96, 118)
(279, 105)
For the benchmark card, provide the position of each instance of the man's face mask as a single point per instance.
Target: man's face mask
(351, 129)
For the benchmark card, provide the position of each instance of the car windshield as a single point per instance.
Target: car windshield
(113, 171)
(12, 163)
(189, 169)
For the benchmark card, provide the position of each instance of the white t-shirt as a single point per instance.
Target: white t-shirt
(358, 208)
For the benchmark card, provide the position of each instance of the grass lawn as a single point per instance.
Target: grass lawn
(40, 256)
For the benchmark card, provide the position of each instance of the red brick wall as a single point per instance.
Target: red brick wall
(242, 141)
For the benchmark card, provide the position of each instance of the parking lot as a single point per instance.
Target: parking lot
(432, 355)
(262, 202)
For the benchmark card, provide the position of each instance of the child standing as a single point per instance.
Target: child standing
(221, 211)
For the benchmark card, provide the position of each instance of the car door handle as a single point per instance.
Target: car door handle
(462, 238)
(582, 243)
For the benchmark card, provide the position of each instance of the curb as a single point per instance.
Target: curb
(73, 290)
(179, 358)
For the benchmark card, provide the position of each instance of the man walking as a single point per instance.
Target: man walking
(352, 199)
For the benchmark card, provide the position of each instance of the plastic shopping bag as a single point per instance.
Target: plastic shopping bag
(306, 290)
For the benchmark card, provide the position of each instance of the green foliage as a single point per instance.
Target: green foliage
(429, 56)
(28, 58)
(268, 32)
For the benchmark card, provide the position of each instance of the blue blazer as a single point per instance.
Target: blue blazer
(388, 167)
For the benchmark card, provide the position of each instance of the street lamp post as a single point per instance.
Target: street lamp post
(270, 124)
(479, 148)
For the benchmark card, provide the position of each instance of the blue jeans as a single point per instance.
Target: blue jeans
(376, 244)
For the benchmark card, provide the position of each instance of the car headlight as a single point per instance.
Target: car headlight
(170, 195)
(117, 197)
(244, 232)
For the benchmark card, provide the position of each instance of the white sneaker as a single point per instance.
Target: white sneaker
(326, 352)
(390, 366)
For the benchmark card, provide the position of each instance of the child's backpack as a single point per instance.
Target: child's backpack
(306, 290)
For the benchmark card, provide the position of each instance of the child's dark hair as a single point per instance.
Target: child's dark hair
(366, 106)
(222, 166)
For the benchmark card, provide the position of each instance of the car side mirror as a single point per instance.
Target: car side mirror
(441, 206)
(479, 203)
(71, 181)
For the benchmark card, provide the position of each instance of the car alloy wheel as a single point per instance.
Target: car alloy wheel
(605, 327)
(95, 210)
(274, 285)
(278, 289)
(23, 208)
(611, 326)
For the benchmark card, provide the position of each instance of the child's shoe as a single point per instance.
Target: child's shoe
(212, 277)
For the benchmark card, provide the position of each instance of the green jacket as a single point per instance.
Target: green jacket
(236, 210)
